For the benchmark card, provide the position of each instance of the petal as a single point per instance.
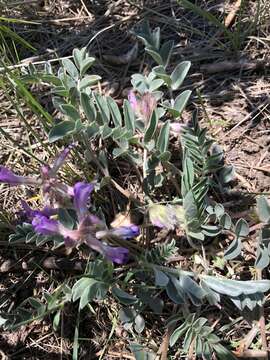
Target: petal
(30, 213)
(7, 176)
(133, 100)
(118, 255)
(60, 159)
(81, 195)
(148, 105)
(45, 226)
(125, 232)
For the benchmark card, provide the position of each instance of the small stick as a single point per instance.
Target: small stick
(223, 66)
(230, 17)
(259, 108)
(252, 354)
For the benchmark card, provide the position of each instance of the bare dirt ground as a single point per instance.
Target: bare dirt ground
(233, 98)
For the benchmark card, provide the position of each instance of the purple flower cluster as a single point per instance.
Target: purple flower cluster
(90, 229)
(142, 105)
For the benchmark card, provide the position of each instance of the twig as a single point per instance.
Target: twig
(126, 18)
(259, 108)
(265, 169)
(233, 66)
(230, 17)
(252, 354)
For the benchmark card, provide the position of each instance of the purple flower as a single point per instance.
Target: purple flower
(133, 100)
(147, 105)
(7, 176)
(60, 159)
(44, 226)
(118, 255)
(143, 105)
(126, 232)
(81, 195)
(30, 213)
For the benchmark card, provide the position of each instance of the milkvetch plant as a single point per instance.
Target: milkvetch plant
(133, 269)
(55, 194)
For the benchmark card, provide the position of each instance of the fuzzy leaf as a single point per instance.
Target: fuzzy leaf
(181, 101)
(179, 74)
(61, 130)
(263, 209)
(124, 297)
(151, 129)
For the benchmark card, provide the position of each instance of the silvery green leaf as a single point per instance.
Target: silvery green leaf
(227, 174)
(61, 130)
(219, 210)
(86, 64)
(88, 292)
(60, 91)
(241, 228)
(191, 287)
(66, 217)
(212, 297)
(166, 51)
(189, 336)
(88, 107)
(181, 101)
(223, 353)
(188, 173)
(88, 80)
(92, 130)
(139, 83)
(56, 320)
(115, 112)
(178, 332)
(155, 84)
(174, 292)
(179, 74)
(78, 56)
(225, 221)
(263, 209)
(118, 152)
(236, 287)
(161, 279)
(139, 324)
(160, 72)
(262, 258)
(103, 108)
(70, 111)
(70, 68)
(151, 129)
(210, 230)
(163, 138)
(84, 289)
(123, 296)
(155, 55)
(234, 249)
(190, 208)
(165, 157)
(106, 131)
(129, 117)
